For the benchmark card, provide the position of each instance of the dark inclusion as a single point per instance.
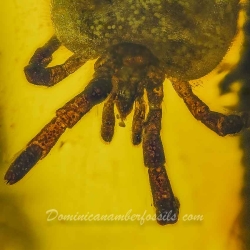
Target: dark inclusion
(136, 47)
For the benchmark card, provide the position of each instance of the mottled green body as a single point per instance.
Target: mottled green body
(189, 37)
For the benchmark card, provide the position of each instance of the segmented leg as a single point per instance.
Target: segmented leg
(219, 123)
(66, 117)
(138, 120)
(108, 120)
(37, 71)
(167, 206)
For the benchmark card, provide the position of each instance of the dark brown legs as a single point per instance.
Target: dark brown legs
(219, 123)
(37, 71)
(138, 120)
(167, 206)
(123, 72)
(108, 120)
(66, 117)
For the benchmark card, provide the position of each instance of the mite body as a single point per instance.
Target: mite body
(189, 37)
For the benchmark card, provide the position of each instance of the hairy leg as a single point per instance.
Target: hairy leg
(66, 117)
(138, 120)
(219, 123)
(167, 206)
(37, 71)
(108, 120)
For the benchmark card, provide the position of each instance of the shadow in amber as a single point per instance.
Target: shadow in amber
(241, 74)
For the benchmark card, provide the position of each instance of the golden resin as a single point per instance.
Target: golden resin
(82, 175)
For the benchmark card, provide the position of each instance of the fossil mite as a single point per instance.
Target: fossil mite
(138, 45)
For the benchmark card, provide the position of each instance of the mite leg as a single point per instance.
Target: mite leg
(66, 117)
(167, 206)
(37, 71)
(138, 121)
(108, 120)
(219, 123)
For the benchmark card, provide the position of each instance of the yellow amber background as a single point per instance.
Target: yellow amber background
(82, 174)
